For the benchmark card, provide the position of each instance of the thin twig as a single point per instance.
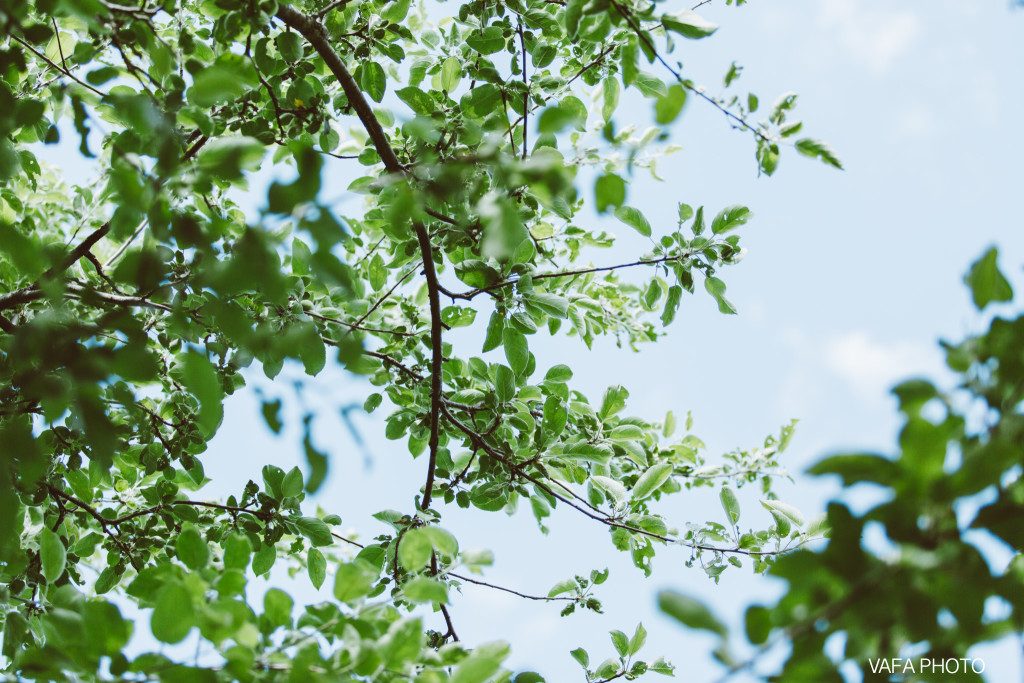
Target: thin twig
(104, 522)
(686, 84)
(56, 66)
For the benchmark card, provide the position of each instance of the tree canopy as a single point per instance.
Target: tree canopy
(487, 135)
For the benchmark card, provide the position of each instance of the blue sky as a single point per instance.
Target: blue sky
(850, 279)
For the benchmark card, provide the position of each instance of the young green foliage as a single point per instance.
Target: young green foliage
(132, 305)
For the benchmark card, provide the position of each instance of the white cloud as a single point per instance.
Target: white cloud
(875, 36)
(872, 367)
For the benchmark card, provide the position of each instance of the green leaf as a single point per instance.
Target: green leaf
(477, 558)
(730, 218)
(613, 401)
(395, 12)
(423, 589)
(669, 427)
(626, 433)
(173, 615)
(609, 668)
(487, 41)
(316, 530)
(675, 295)
(516, 350)
(614, 488)
(414, 549)
(609, 190)
(634, 218)
(651, 480)
(620, 641)
(592, 452)
(636, 643)
(573, 14)
(52, 555)
(192, 547)
(451, 74)
(650, 85)
(816, 149)
(476, 273)
(716, 288)
(199, 377)
(291, 485)
(229, 156)
(611, 98)
(289, 44)
(581, 656)
(552, 304)
(272, 415)
(563, 586)
(373, 80)
(568, 112)
(858, 467)
(504, 383)
(731, 505)
(503, 228)
(442, 541)
(758, 624)
(237, 549)
(495, 330)
(402, 644)
(559, 373)
(987, 282)
(419, 101)
(264, 559)
(225, 80)
(316, 566)
(481, 100)
(690, 612)
(482, 663)
(277, 607)
(354, 580)
(688, 24)
(785, 509)
(668, 106)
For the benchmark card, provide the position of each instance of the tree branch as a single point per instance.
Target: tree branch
(469, 295)
(314, 32)
(477, 439)
(689, 86)
(104, 522)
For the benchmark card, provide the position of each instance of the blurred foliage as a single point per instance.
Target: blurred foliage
(908, 585)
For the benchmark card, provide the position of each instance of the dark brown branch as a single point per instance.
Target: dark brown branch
(477, 439)
(526, 88)
(597, 60)
(541, 598)
(104, 522)
(353, 326)
(394, 363)
(314, 32)
(567, 273)
(388, 293)
(193, 503)
(436, 356)
(58, 67)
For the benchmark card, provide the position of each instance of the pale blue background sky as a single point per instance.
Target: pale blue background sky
(850, 279)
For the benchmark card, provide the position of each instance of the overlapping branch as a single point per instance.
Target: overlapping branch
(313, 31)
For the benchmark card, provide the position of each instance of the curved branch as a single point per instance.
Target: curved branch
(314, 32)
